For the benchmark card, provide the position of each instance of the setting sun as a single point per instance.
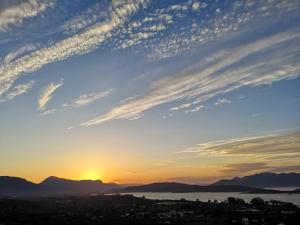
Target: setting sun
(91, 175)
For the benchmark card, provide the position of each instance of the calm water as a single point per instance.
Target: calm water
(205, 196)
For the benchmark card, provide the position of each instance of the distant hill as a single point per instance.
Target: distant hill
(181, 188)
(265, 180)
(66, 186)
(14, 186)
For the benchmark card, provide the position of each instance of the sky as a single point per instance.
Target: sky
(142, 91)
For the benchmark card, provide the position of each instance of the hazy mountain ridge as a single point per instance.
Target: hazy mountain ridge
(186, 188)
(264, 180)
(181, 188)
(61, 185)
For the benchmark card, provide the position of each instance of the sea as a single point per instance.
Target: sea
(219, 196)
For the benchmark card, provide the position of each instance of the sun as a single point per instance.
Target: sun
(91, 175)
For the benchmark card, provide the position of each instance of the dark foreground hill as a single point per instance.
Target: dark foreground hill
(265, 180)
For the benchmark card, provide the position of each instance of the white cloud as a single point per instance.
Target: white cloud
(210, 78)
(196, 5)
(46, 96)
(145, 32)
(17, 90)
(70, 127)
(87, 99)
(78, 44)
(183, 106)
(221, 101)
(14, 14)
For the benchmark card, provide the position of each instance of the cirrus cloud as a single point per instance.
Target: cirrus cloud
(78, 44)
(12, 14)
(17, 91)
(87, 99)
(280, 145)
(46, 95)
(216, 75)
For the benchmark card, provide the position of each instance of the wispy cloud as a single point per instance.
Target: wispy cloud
(220, 75)
(248, 168)
(183, 106)
(46, 95)
(47, 112)
(78, 44)
(87, 99)
(221, 101)
(17, 90)
(293, 168)
(196, 109)
(261, 146)
(13, 13)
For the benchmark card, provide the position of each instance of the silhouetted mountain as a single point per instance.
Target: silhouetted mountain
(265, 180)
(66, 186)
(180, 188)
(14, 186)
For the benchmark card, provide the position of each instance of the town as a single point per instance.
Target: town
(130, 210)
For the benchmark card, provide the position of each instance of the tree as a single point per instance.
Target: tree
(257, 201)
(235, 201)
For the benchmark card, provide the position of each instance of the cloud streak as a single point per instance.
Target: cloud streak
(221, 101)
(46, 95)
(87, 99)
(183, 106)
(217, 74)
(78, 44)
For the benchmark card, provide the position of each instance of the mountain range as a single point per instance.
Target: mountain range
(15, 186)
(265, 180)
(184, 188)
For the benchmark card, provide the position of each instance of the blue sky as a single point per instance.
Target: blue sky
(153, 89)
